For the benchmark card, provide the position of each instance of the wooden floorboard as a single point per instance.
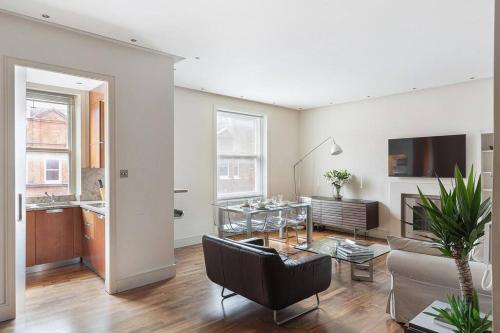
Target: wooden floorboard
(72, 299)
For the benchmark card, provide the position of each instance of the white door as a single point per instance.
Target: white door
(20, 177)
(13, 245)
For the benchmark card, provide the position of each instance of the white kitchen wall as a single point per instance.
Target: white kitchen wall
(144, 138)
(363, 128)
(194, 155)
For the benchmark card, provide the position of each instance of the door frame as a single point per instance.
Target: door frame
(8, 308)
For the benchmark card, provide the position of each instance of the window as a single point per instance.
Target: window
(239, 155)
(52, 171)
(223, 170)
(48, 143)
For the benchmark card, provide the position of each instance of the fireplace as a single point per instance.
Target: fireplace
(414, 225)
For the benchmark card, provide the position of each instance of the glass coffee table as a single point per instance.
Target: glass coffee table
(359, 265)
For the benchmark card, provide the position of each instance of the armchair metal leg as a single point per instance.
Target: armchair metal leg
(226, 296)
(286, 320)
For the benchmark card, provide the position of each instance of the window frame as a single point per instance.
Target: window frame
(71, 150)
(260, 157)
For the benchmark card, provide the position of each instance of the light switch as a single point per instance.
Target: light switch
(123, 173)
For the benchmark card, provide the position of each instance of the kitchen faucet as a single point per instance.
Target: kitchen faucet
(51, 197)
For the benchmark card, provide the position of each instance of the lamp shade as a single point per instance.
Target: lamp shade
(336, 150)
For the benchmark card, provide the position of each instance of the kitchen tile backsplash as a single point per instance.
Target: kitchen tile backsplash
(90, 189)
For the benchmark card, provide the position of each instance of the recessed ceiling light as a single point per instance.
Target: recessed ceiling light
(46, 16)
(133, 40)
(472, 78)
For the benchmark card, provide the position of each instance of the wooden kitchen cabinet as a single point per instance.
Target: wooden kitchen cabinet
(93, 241)
(54, 235)
(96, 129)
(77, 232)
(30, 239)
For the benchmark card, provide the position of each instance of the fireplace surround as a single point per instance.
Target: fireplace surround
(413, 225)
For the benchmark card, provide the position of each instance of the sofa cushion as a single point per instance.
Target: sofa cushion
(413, 245)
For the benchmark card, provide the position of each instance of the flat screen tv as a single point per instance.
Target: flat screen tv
(432, 156)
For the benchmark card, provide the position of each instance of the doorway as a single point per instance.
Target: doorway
(62, 121)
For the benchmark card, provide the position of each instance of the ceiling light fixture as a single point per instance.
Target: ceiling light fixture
(45, 16)
(133, 40)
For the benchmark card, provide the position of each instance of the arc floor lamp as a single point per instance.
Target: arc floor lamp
(335, 150)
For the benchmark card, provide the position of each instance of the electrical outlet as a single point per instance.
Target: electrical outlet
(123, 173)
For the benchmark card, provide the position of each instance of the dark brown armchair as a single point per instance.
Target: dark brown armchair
(259, 273)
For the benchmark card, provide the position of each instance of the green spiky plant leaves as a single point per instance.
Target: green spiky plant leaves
(457, 225)
(464, 316)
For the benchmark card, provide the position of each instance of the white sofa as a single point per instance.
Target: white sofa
(419, 279)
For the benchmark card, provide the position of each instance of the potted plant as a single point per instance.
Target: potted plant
(457, 224)
(337, 178)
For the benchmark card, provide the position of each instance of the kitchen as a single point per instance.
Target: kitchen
(65, 172)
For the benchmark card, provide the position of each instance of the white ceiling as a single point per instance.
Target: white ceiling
(296, 53)
(60, 80)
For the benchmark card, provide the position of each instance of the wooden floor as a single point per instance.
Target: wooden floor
(71, 299)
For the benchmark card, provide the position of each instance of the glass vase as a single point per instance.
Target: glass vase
(337, 194)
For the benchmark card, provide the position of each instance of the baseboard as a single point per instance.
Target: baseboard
(145, 278)
(187, 241)
(44, 267)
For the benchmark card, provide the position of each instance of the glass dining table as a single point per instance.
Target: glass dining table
(249, 211)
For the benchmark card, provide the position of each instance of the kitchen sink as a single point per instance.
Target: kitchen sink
(51, 204)
(97, 204)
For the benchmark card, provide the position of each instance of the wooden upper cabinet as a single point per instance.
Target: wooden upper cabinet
(54, 235)
(96, 128)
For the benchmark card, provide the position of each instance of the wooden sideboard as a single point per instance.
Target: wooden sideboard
(350, 214)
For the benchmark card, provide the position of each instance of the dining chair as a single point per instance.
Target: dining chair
(231, 223)
(297, 217)
(268, 222)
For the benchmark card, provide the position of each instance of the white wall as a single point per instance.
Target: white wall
(143, 138)
(194, 155)
(363, 128)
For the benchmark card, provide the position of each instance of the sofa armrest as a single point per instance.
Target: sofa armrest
(253, 241)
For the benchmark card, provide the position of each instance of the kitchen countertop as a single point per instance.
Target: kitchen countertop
(69, 204)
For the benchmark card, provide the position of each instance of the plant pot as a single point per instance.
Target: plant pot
(337, 194)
